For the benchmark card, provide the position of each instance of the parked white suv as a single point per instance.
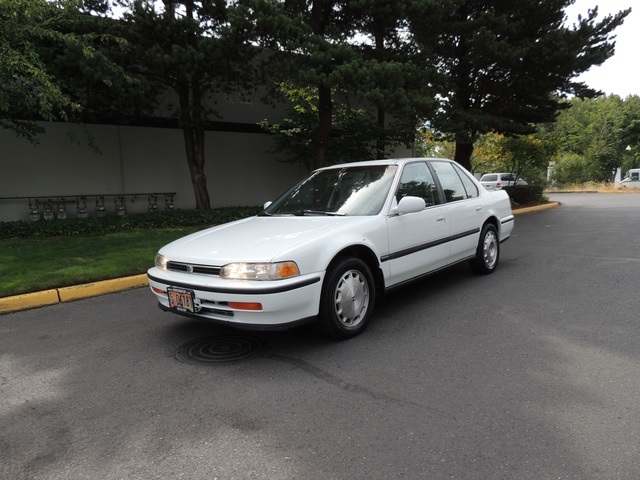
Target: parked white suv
(496, 181)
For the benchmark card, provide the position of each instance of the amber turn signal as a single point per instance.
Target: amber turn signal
(245, 305)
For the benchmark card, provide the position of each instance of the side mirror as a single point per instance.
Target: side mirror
(266, 205)
(409, 204)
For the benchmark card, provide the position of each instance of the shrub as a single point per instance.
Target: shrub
(524, 194)
(573, 168)
(97, 225)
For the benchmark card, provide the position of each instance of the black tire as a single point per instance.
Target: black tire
(488, 251)
(348, 298)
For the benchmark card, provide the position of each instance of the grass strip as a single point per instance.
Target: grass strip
(35, 264)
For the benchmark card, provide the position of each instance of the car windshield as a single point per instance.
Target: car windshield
(356, 190)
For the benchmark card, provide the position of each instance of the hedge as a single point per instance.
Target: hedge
(519, 194)
(524, 194)
(98, 225)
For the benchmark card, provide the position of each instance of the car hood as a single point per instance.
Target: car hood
(255, 239)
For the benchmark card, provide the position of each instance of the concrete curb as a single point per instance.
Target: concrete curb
(68, 294)
(537, 208)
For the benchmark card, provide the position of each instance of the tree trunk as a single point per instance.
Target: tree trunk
(464, 149)
(320, 18)
(381, 140)
(194, 147)
(379, 34)
(192, 125)
(323, 134)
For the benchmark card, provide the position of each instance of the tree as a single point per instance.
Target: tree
(392, 79)
(526, 155)
(99, 81)
(309, 51)
(571, 168)
(195, 49)
(429, 144)
(34, 36)
(603, 133)
(352, 129)
(630, 135)
(351, 60)
(502, 62)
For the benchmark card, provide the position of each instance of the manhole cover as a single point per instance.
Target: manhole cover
(224, 348)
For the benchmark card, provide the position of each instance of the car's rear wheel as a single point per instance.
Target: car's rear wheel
(488, 251)
(348, 298)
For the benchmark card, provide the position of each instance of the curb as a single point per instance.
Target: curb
(537, 208)
(67, 294)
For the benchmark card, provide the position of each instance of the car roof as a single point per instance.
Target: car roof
(387, 161)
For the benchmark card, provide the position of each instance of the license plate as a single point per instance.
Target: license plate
(181, 299)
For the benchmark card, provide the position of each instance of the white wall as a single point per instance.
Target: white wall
(136, 160)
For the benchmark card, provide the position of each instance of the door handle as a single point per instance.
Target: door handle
(441, 219)
(479, 208)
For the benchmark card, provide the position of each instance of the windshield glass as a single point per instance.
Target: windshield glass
(357, 190)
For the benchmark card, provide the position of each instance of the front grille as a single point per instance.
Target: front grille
(189, 268)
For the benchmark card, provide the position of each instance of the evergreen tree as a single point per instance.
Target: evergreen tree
(355, 56)
(503, 62)
(393, 79)
(195, 49)
(309, 47)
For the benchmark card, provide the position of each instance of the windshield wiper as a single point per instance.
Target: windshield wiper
(302, 213)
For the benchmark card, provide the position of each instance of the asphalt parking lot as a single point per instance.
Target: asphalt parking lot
(530, 373)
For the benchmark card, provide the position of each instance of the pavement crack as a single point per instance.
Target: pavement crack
(349, 387)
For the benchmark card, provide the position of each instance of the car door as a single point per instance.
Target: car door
(464, 209)
(417, 241)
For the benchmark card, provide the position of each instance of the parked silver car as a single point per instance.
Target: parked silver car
(496, 181)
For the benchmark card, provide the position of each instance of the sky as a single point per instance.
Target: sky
(620, 74)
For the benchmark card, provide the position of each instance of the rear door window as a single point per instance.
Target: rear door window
(450, 181)
(469, 185)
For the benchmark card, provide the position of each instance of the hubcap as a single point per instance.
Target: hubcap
(351, 299)
(490, 249)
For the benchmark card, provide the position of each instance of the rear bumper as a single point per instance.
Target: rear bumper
(506, 227)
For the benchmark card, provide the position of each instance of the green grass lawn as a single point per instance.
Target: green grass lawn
(34, 264)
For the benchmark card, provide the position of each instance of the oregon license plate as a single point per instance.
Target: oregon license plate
(181, 299)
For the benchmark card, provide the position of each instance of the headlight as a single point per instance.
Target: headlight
(259, 271)
(161, 262)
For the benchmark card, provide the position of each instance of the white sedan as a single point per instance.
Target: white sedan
(332, 245)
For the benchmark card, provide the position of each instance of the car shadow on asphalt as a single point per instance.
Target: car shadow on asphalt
(201, 342)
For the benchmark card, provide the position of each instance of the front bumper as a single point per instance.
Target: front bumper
(284, 302)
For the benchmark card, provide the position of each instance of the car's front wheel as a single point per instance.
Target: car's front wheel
(348, 298)
(488, 251)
